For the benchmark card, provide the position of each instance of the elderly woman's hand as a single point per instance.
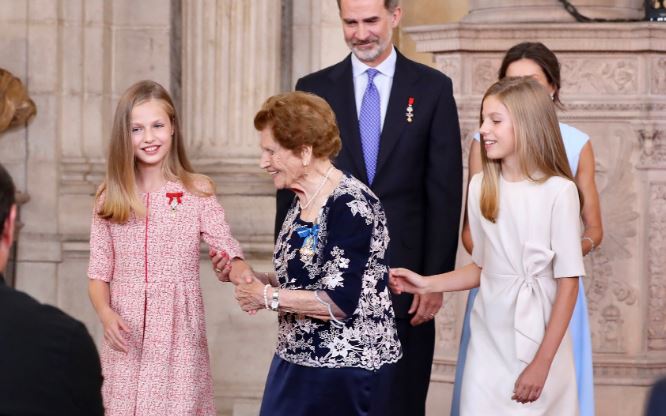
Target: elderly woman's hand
(404, 280)
(250, 295)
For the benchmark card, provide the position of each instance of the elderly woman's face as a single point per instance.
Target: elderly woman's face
(282, 164)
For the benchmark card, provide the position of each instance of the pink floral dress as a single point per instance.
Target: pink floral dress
(152, 265)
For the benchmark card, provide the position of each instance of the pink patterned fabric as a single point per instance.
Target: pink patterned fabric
(152, 265)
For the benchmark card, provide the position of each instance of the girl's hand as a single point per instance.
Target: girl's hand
(221, 264)
(403, 280)
(113, 325)
(530, 383)
(250, 296)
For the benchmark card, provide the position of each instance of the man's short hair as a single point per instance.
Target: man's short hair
(389, 5)
(7, 196)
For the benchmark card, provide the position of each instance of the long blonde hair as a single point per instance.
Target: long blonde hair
(119, 187)
(537, 136)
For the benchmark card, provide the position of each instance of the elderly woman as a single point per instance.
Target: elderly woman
(337, 337)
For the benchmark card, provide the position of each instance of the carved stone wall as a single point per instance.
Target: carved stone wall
(614, 89)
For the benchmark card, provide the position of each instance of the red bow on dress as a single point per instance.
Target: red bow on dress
(172, 195)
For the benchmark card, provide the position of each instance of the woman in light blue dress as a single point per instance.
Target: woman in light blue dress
(536, 60)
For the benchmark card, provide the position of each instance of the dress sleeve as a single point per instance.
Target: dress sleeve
(346, 252)
(101, 261)
(214, 228)
(474, 216)
(565, 234)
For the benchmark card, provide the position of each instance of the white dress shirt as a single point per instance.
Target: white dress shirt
(383, 81)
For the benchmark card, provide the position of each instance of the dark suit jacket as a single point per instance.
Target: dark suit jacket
(419, 168)
(656, 405)
(48, 362)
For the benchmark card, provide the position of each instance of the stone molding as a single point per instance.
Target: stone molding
(237, 177)
(608, 370)
(570, 37)
(549, 10)
(656, 334)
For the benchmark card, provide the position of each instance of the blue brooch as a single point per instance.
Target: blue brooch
(307, 250)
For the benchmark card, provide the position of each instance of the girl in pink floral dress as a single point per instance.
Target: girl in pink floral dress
(150, 214)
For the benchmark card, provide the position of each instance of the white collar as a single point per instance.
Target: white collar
(387, 67)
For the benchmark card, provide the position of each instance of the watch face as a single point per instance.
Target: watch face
(274, 304)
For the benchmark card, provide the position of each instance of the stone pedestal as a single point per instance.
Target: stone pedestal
(614, 89)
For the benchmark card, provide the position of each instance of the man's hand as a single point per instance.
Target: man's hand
(425, 307)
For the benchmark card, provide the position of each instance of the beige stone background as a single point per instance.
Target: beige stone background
(222, 58)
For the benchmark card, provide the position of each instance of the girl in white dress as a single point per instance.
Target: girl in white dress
(524, 214)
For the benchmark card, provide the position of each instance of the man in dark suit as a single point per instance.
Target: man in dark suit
(48, 362)
(400, 133)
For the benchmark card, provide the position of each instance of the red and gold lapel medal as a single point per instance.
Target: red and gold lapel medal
(174, 200)
(410, 110)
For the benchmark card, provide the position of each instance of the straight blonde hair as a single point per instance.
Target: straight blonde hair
(121, 197)
(537, 136)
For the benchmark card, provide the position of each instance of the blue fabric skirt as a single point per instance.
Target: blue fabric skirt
(579, 327)
(582, 349)
(296, 390)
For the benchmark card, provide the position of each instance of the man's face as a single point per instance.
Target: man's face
(368, 27)
(7, 237)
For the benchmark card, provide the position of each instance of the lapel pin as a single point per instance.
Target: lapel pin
(174, 200)
(410, 110)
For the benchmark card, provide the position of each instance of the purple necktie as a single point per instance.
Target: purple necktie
(370, 125)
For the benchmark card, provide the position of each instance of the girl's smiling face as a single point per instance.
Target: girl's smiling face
(497, 134)
(151, 131)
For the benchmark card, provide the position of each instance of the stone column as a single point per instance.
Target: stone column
(230, 65)
(317, 37)
(614, 89)
(231, 54)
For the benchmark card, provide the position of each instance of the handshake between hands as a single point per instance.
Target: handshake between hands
(406, 281)
(250, 286)
(249, 289)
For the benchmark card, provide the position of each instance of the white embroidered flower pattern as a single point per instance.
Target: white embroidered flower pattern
(368, 338)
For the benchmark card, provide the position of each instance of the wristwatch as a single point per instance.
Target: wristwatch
(275, 300)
